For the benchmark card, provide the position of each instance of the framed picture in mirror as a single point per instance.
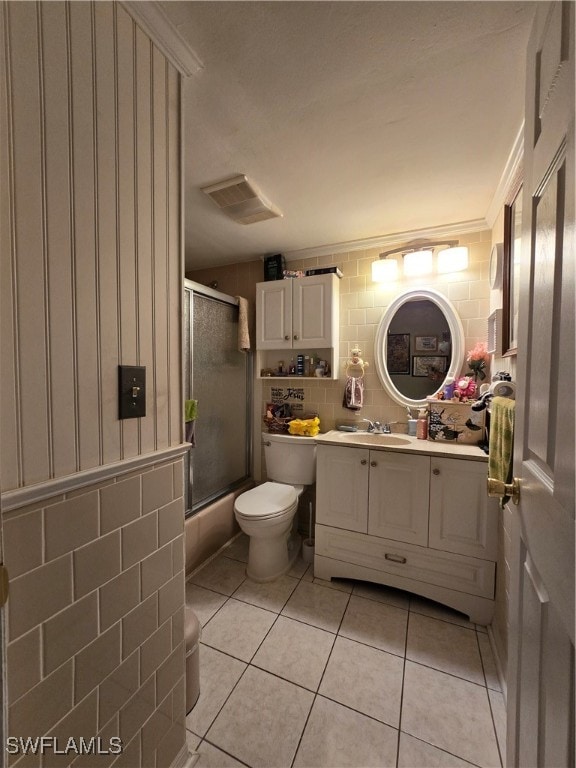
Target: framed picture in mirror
(425, 343)
(429, 365)
(398, 353)
(511, 274)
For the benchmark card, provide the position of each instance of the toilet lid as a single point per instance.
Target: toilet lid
(266, 500)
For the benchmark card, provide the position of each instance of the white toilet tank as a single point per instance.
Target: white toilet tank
(290, 458)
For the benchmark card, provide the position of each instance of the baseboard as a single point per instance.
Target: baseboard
(185, 758)
(212, 557)
(497, 662)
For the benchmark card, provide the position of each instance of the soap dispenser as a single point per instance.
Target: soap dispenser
(422, 424)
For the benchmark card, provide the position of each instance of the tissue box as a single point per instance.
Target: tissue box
(450, 422)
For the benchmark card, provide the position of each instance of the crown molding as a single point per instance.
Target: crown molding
(510, 180)
(152, 19)
(380, 241)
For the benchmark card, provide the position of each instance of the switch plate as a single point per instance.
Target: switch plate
(131, 391)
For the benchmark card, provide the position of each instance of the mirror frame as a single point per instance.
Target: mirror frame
(456, 333)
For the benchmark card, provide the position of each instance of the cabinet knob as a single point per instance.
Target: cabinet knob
(373, 463)
(436, 471)
(295, 337)
(363, 461)
(287, 338)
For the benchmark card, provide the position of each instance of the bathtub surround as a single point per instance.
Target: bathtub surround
(91, 278)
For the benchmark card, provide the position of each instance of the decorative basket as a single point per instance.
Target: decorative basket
(277, 424)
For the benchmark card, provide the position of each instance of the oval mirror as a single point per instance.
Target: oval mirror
(419, 343)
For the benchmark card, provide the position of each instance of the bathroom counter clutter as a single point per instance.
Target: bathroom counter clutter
(411, 514)
(402, 443)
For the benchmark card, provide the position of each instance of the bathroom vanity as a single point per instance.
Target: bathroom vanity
(411, 514)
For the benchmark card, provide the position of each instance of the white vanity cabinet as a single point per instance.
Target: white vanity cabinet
(374, 492)
(416, 522)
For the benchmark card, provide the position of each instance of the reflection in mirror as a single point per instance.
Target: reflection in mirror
(420, 341)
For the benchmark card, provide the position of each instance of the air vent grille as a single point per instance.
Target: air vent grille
(240, 199)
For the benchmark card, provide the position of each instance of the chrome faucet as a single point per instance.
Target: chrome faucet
(377, 427)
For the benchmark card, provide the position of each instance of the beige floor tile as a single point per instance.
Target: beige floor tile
(295, 651)
(338, 736)
(342, 585)
(219, 674)
(365, 679)
(238, 629)
(377, 624)
(498, 707)
(444, 646)
(317, 605)
(204, 602)
(438, 611)
(308, 573)
(212, 757)
(261, 722)
(490, 671)
(298, 569)
(238, 548)
(271, 595)
(192, 741)
(449, 713)
(414, 753)
(382, 594)
(221, 574)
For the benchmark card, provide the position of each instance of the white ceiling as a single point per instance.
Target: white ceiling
(356, 119)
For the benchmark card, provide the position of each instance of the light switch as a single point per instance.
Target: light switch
(131, 391)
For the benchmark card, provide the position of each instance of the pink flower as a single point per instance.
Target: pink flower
(480, 352)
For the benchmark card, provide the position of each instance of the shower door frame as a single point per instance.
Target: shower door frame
(188, 341)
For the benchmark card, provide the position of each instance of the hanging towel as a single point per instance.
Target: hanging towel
(243, 334)
(353, 393)
(190, 414)
(501, 444)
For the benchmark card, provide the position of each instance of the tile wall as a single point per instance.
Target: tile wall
(95, 634)
(362, 304)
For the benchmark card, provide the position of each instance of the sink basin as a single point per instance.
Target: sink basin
(369, 438)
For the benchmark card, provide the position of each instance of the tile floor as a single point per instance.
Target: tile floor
(308, 673)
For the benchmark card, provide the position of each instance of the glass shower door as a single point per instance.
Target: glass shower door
(220, 382)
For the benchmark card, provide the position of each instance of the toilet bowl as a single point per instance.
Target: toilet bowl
(267, 513)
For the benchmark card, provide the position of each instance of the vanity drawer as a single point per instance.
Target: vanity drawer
(444, 569)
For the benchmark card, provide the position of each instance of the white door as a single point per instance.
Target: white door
(274, 315)
(399, 494)
(541, 665)
(342, 487)
(463, 519)
(312, 311)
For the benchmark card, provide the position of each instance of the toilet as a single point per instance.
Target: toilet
(266, 513)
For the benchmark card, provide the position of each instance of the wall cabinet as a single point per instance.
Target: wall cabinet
(297, 315)
(415, 522)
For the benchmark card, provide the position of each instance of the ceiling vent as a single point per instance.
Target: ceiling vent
(241, 199)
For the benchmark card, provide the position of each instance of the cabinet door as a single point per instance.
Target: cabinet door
(462, 517)
(274, 314)
(399, 496)
(342, 487)
(312, 311)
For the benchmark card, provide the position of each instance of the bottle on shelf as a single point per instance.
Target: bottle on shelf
(292, 368)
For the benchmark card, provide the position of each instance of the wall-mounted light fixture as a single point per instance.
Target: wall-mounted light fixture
(418, 259)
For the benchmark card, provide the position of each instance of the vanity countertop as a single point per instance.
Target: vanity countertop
(401, 444)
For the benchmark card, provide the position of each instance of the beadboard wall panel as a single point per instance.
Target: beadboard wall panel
(91, 256)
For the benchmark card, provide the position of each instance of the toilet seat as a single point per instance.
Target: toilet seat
(267, 501)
